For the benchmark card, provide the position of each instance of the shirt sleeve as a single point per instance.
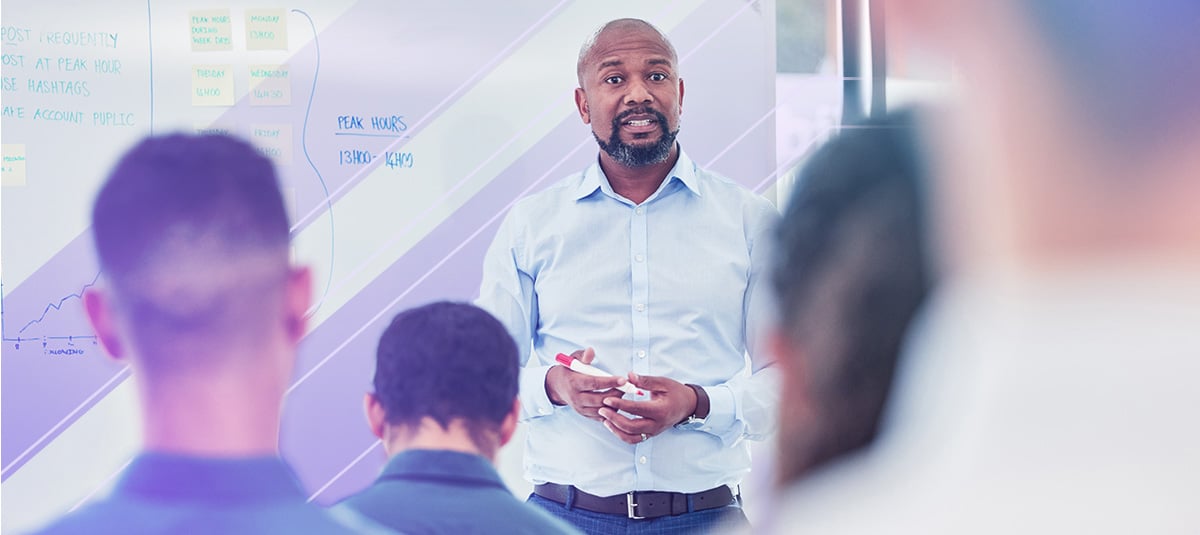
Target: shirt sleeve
(746, 406)
(507, 293)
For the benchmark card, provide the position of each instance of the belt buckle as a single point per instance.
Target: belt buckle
(631, 507)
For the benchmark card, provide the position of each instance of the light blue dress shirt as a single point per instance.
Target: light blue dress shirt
(675, 286)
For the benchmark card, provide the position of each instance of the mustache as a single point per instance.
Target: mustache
(643, 110)
(640, 155)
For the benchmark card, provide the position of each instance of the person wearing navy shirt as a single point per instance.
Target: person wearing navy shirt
(445, 401)
(199, 298)
(653, 270)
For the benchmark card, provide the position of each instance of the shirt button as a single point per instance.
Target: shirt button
(639, 210)
(641, 353)
(639, 258)
(543, 410)
(640, 307)
(642, 460)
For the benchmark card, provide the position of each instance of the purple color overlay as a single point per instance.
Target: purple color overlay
(28, 413)
(323, 428)
(335, 391)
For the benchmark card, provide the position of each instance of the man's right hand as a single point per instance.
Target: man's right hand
(566, 387)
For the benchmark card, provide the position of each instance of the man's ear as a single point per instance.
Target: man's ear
(795, 370)
(376, 417)
(99, 308)
(789, 357)
(780, 347)
(681, 96)
(299, 299)
(509, 425)
(582, 105)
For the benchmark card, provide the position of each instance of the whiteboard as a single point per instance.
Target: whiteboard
(402, 131)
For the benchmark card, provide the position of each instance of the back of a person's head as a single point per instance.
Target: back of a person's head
(192, 239)
(850, 276)
(447, 361)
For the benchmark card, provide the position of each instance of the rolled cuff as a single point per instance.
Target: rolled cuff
(535, 403)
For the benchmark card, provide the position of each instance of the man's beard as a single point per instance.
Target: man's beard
(638, 156)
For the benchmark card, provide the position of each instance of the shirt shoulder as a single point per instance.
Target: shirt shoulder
(412, 507)
(106, 517)
(532, 212)
(758, 213)
(561, 193)
(125, 516)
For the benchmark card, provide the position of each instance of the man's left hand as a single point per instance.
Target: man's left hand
(670, 403)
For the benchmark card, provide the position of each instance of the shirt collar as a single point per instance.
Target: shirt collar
(181, 478)
(594, 180)
(443, 465)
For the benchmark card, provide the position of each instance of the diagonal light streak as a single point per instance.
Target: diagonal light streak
(457, 92)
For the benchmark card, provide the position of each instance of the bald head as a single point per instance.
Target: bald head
(615, 28)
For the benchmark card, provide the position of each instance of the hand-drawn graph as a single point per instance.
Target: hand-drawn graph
(47, 339)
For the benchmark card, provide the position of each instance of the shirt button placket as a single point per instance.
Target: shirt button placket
(640, 279)
(640, 309)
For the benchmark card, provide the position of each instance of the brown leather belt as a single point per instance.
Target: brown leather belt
(641, 504)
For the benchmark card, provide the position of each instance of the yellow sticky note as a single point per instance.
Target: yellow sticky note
(215, 129)
(211, 29)
(273, 141)
(270, 85)
(13, 171)
(266, 29)
(212, 85)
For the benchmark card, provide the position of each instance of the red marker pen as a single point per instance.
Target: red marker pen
(578, 366)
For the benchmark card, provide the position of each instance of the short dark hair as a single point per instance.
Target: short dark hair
(209, 203)
(851, 273)
(446, 361)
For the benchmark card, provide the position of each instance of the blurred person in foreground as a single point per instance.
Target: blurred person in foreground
(200, 300)
(1051, 389)
(851, 275)
(445, 402)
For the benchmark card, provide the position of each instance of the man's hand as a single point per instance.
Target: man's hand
(670, 403)
(566, 387)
